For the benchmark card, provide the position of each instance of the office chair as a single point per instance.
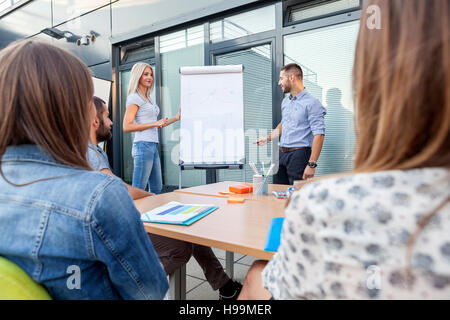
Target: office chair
(16, 284)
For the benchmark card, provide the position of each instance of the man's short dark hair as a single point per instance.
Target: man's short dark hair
(99, 106)
(293, 68)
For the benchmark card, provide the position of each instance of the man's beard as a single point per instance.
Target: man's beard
(103, 133)
(286, 89)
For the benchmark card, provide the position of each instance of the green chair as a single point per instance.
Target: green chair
(16, 284)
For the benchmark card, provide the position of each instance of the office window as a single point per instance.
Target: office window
(308, 11)
(243, 24)
(178, 49)
(258, 83)
(326, 56)
(5, 4)
(137, 52)
(182, 39)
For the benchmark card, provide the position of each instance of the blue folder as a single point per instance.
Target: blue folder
(274, 235)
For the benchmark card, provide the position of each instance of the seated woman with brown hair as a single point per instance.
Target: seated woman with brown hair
(383, 231)
(73, 230)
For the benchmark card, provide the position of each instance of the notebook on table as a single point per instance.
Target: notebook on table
(178, 213)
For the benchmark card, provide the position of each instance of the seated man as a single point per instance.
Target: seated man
(97, 158)
(171, 252)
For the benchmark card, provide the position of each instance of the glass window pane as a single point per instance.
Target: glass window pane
(257, 63)
(326, 55)
(182, 39)
(4, 4)
(243, 24)
(178, 49)
(305, 12)
(137, 52)
(127, 137)
(195, 35)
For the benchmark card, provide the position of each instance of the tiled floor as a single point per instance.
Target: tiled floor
(197, 288)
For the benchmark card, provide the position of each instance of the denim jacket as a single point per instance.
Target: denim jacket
(79, 234)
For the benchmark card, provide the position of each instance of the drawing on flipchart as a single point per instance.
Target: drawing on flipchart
(213, 114)
(210, 92)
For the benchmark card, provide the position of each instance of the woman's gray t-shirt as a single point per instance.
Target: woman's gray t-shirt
(147, 112)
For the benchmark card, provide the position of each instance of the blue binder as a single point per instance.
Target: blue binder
(274, 234)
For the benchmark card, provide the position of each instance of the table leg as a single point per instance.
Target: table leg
(177, 284)
(229, 264)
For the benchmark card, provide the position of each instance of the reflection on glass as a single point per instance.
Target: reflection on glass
(68, 9)
(182, 39)
(137, 52)
(5, 4)
(326, 56)
(178, 49)
(257, 63)
(134, 15)
(243, 24)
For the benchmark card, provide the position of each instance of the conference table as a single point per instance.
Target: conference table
(235, 228)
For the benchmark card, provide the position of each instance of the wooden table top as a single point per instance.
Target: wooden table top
(214, 188)
(240, 228)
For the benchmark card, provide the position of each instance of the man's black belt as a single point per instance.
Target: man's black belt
(284, 150)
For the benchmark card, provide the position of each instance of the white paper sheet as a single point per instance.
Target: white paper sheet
(212, 115)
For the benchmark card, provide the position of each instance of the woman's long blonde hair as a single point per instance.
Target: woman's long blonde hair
(45, 99)
(136, 73)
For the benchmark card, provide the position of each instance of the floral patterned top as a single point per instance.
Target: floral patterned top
(347, 238)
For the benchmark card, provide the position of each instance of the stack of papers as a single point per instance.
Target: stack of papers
(178, 213)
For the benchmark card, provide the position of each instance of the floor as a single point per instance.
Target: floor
(197, 288)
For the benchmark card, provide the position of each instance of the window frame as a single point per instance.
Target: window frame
(311, 4)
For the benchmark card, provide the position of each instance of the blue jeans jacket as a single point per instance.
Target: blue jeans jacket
(79, 234)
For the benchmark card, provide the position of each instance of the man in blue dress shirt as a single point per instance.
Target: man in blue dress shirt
(301, 131)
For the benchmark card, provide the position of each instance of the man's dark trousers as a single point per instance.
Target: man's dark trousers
(291, 166)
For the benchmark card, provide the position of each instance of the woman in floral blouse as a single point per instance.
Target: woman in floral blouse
(383, 231)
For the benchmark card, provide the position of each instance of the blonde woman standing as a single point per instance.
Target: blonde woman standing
(141, 116)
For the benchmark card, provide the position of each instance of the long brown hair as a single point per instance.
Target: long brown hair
(45, 97)
(401, 81)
